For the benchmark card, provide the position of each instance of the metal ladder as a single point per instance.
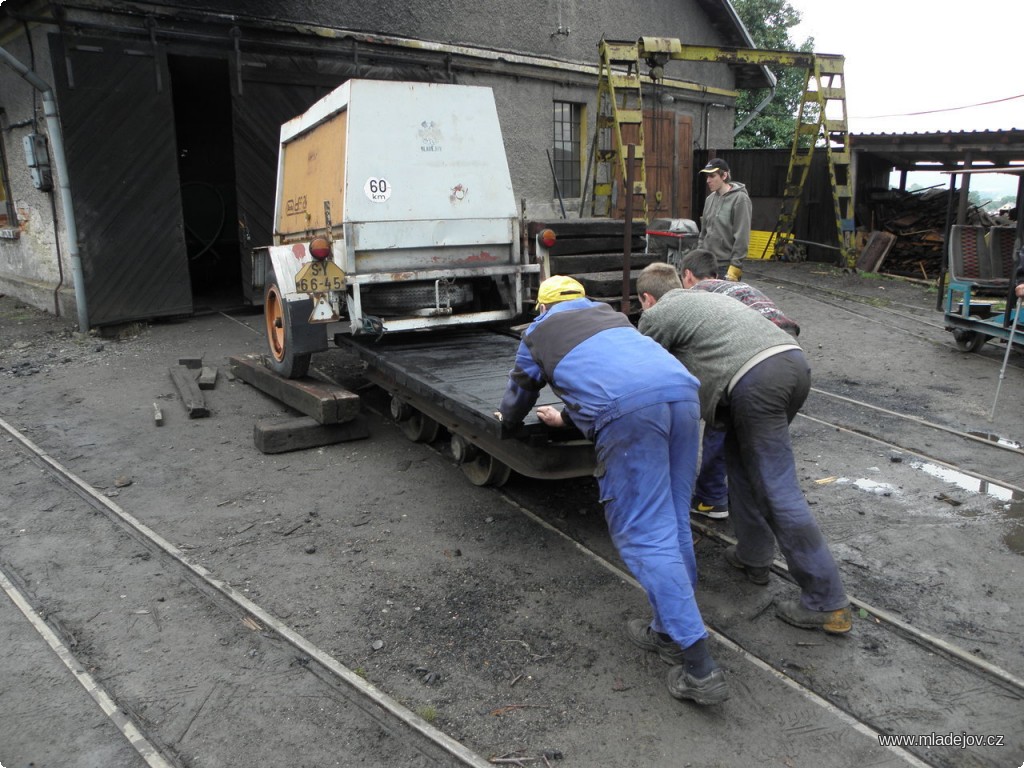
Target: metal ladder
(620, 123)
(822, 114)
(824, 95)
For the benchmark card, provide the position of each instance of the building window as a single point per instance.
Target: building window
(567, 156)
(8, 219)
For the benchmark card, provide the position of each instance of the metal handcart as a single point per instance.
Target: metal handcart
(978, 300)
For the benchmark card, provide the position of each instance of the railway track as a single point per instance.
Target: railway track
(964, 670)
(925, 324)
(412, 741)
(268, 669)
(966, 675)
(936, 450)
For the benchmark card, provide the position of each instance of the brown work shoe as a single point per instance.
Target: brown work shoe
(758, 574)
(837, 622)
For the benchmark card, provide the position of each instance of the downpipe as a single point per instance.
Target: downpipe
(56, 137)
(757, 110)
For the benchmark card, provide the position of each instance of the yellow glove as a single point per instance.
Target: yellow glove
(734, 274)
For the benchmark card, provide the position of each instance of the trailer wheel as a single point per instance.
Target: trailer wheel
(969, 341)
(420, 428)
(283, 359)
(484, 469)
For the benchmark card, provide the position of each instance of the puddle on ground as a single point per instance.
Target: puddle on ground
(1012, 509)
(994, 438)
(967, 482)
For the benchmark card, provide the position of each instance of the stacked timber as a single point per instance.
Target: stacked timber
(593, 252)
(917, 221)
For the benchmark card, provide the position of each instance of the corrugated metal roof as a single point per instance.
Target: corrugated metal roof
(1000, 132)
(943, 150)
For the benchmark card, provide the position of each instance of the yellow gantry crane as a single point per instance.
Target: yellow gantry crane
(822, 119)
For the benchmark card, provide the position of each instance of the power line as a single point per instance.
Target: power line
(948, 109)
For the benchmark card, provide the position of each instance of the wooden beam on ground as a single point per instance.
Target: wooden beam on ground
(302, 432)
(327, 403)
(184, 380)
(207, 378)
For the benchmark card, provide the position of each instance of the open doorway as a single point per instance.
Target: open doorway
(202, 121)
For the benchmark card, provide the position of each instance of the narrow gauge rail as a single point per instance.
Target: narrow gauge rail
(976, 688)
(238, 657)
(277, 667)
(955, 668)
(914, 322)
(976, 453)
(969, 688)
(855, 706)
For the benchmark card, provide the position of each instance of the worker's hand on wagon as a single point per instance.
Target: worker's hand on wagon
(734, 273)
(550, 416)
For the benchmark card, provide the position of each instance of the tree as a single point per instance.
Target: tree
(769, 22)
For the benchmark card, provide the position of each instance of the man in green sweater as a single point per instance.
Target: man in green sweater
(753, 380)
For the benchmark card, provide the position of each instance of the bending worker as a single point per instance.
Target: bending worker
(725, 224)
(698, 270)
(641, 408)
(754, 378)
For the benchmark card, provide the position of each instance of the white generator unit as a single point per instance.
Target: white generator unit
(394, 211)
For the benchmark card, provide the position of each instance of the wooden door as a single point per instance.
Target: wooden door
(669, 160)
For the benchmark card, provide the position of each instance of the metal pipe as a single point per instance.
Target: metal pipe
(947, 230)
(627, 245)
(61, 167)
(554, 177)
(757, 110)
(1006, 358)
(491, 60)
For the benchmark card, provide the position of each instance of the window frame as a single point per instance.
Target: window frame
(7, 209)
(567, 117)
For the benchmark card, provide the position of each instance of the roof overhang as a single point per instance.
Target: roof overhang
(726, 22)
(943, 151)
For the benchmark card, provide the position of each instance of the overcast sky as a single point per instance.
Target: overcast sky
(961, 63)
(907, 56)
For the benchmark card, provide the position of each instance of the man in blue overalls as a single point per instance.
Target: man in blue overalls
(641, 408)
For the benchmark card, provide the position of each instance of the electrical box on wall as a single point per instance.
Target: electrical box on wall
(38, 159)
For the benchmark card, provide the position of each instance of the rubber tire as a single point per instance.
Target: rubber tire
(969, 341)
(483, 469)
(282, 360)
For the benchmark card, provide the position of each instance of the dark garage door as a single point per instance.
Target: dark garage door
(118, 122)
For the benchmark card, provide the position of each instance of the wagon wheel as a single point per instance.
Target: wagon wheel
(969, 341)
(283, 359)
(484, 469)
(420, 428)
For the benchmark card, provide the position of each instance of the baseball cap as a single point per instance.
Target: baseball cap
(715, 165)
(559, 288)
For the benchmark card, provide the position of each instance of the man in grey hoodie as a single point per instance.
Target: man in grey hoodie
(725, 225)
